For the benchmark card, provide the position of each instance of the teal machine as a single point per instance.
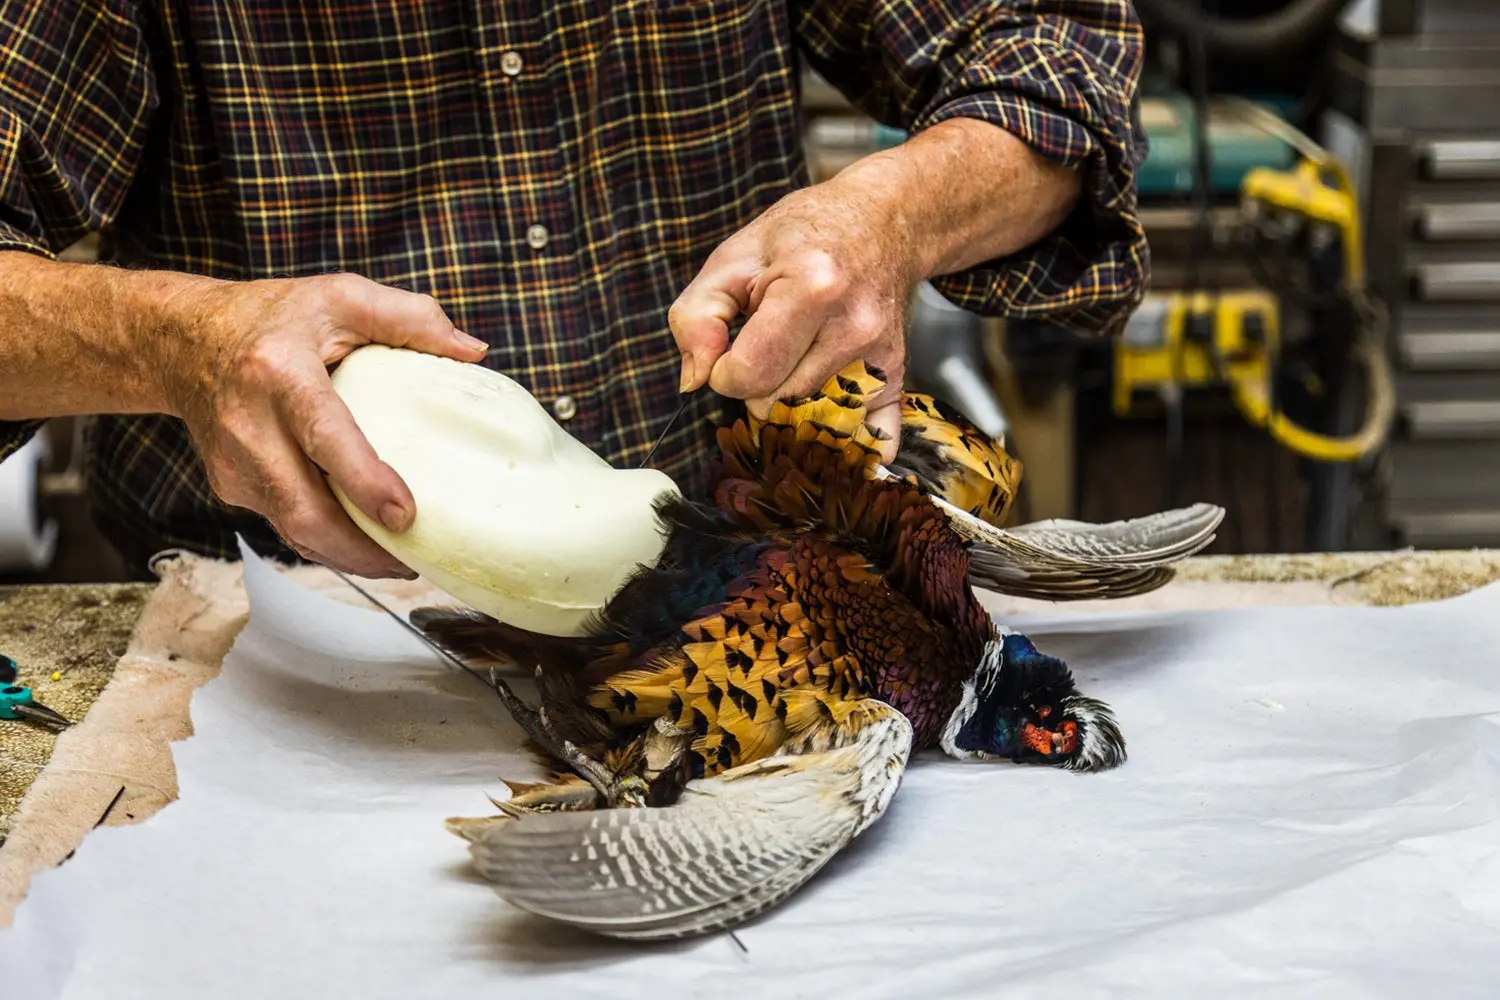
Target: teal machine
(1235, 147)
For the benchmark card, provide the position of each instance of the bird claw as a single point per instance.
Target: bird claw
(590, 770)
(539, 728)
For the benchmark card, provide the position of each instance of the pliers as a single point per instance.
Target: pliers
(16, 702)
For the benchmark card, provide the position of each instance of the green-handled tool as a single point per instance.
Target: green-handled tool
(17, 702)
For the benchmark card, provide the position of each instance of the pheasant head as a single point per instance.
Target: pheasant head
(1022, 705)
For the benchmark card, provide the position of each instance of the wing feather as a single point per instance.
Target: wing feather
(1156, 539)
(731, 847)
(1074, 561)
(1062, 560)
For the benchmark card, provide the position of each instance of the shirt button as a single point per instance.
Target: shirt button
(564, 407)
(536, 237)
(510, 63)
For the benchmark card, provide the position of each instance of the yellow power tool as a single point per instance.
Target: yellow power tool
(1233, 338)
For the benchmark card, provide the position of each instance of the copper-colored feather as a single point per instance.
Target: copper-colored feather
(951, 458)
(813, 582)
(816, 578)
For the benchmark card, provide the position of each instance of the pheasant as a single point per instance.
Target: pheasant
(746, 706)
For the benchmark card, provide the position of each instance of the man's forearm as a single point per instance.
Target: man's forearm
(965, 191)
(244, 365)
(84, 338)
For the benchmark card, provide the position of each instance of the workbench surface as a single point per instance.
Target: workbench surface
(67, 638)
(74, 633)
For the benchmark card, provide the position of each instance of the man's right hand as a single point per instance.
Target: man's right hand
(248, 373)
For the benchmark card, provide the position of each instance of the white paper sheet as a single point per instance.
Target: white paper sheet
(1310, 810)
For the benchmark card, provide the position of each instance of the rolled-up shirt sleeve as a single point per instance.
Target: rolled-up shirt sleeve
(76, 99)
(1061, 75)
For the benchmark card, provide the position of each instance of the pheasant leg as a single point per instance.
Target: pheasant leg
(534, 723)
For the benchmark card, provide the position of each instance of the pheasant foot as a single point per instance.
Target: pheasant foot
(535, 724)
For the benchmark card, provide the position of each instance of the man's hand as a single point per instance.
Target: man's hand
(244, 364)
(250, 379)
(826, 274)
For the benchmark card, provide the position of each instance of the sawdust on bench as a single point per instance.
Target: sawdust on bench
(77, 632)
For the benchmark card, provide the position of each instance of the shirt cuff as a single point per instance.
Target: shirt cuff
(13, 238)
(1091, 272)
(15, 433)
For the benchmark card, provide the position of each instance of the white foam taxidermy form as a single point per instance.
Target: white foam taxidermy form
(515, 516)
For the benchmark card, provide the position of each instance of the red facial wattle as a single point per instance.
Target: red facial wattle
(1059, 742)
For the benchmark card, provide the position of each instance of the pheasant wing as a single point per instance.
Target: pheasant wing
(732, 846)
(1156, 539)
(1076, 562)
(1063, 560)
(1073, 560)
(1005, 574)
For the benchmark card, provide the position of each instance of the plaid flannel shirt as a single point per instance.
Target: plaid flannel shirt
(552, 172)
